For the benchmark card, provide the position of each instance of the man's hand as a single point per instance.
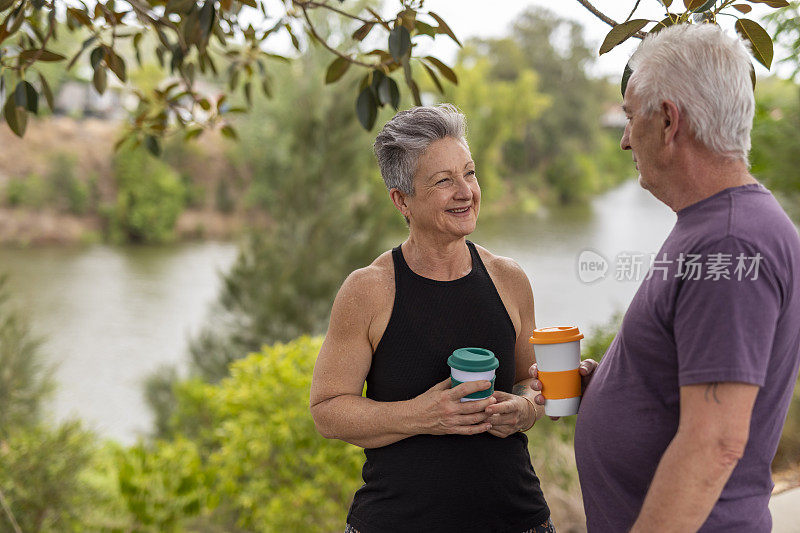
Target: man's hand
(585, 369)
(510, 414)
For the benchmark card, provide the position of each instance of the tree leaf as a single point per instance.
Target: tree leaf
(336, 69)
(771, 3)
(742, 8)
(248, 94)
(46, 91)
(179, 6)
(192, 133)
(117, 65)
(152, 145)
(399, 42)
(16, 117)
(229, 132)
(366, 109)
(443, 27)
(375, 77)
(620, 33)
(98, 54)
(389, 92)
(46, 55)
(26, 97)
(99, 79)
(363, 31)
(443, 69)
(661, 24)
(698, 6)
(434, 77)
(760, 41)
(425, 29)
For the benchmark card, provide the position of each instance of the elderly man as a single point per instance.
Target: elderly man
(681, 419)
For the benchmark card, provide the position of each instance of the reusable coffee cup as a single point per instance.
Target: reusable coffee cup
(558, 355)
(473, 364)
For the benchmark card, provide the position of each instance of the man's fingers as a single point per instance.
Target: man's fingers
(536, 385)
(534, 371)
(539, 399)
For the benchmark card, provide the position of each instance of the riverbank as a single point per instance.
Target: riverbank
(24, 227)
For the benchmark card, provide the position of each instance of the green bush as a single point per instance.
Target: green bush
(150, 197)
(248, 451)
(40, 476)
(30, 191)
(69, 193)
(25, 379)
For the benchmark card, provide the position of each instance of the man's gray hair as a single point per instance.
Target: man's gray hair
(706, 73)
(404, 138)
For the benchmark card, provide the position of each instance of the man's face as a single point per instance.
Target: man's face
(643, 136)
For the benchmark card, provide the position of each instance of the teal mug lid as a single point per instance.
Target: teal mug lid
(473, 360)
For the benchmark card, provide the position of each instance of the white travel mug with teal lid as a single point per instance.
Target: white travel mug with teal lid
(473, 364)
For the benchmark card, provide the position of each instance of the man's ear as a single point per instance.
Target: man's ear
(672, 122)
(399, 200)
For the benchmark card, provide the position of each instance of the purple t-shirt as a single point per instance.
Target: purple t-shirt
(722, 303)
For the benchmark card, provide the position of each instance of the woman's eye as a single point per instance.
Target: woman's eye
(443, 181)
(471, 173)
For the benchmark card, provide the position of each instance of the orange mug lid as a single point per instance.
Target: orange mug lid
(555, 335)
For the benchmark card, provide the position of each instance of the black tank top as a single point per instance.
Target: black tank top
(444, 483)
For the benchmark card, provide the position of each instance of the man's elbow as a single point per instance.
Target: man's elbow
(729, 450)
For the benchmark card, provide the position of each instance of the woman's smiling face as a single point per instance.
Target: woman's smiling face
(447, 197)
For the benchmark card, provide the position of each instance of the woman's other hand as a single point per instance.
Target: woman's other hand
(440, 410)
(510, 414)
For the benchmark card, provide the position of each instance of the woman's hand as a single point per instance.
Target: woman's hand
(510, 414)
(585, 369)
(440, 411)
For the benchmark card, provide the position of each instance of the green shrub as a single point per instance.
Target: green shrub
(150, 197)
(69, 193)
(31, 191)
(25, 379)
(40, 473)
(249, 452)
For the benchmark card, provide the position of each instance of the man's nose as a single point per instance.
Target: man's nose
(625, 143)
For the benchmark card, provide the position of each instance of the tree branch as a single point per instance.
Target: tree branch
(310, 3)
(605, 18)
(11, 518)
(325, 43)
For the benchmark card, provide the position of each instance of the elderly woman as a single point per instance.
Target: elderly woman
(433, 463)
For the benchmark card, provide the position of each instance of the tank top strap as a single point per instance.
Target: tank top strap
(477, 262)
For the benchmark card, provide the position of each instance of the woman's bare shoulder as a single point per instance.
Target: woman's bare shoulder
(371, 284)
(501, 267)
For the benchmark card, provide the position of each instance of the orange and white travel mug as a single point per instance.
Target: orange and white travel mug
(558, 355)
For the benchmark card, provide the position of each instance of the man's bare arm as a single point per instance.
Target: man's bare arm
(712, 434)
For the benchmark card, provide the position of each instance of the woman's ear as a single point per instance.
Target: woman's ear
(399, 200)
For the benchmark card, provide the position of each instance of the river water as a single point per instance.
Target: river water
(113, 315)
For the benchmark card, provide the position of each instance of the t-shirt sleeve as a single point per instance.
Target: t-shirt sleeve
(724, 328)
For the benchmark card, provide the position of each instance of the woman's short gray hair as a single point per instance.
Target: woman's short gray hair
(707, 74)
(404, 138)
